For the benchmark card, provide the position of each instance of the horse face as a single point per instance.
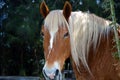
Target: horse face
(56, 44)
(56, 51)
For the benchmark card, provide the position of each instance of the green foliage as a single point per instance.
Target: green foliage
(109, 6)
(21, 43)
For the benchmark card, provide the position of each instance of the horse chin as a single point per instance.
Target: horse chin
(57, 77)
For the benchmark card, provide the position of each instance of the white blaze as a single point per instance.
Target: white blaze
(52, 34)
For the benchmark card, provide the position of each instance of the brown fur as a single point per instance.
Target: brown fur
(44, 9)
(67, 10)
(101, 62)
(61, 49)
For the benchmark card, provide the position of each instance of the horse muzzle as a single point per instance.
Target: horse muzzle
(52, 73)
(56, 75)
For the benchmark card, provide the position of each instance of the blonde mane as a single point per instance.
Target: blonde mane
(84, 28)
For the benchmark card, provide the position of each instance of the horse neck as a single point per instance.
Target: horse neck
(94, 25)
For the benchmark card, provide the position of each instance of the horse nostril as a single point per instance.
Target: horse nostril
(44, 73)
(57, 71)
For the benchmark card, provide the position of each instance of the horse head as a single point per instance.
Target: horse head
(56, 39)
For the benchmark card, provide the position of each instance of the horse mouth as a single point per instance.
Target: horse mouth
(56, 76)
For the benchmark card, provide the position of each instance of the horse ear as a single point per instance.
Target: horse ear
(67, 10)
(44, 9)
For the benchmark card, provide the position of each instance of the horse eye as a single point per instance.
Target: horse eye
(42, 34)
(66, 35)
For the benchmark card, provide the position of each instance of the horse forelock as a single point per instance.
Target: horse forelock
(53, 21)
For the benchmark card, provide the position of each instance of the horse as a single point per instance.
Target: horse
(88, 40)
